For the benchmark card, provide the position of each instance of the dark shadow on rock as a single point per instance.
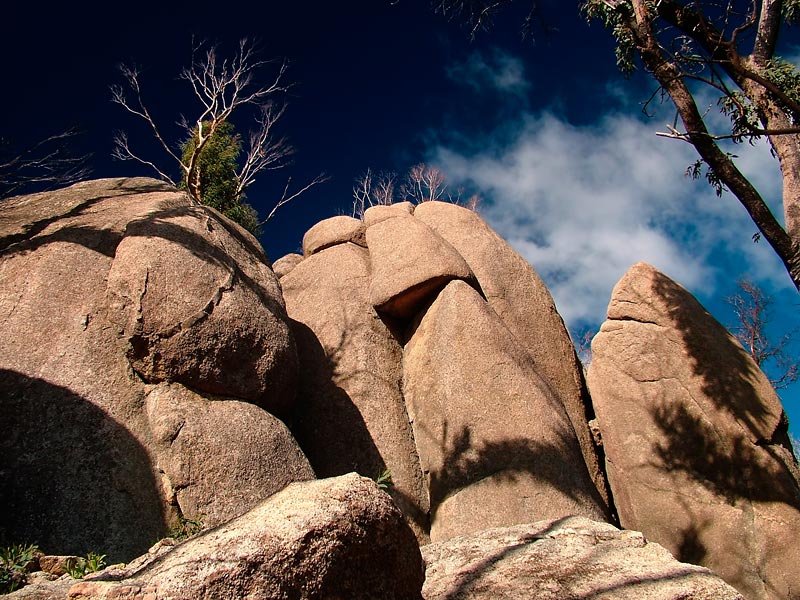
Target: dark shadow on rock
(326, 423)
(731, 467)
(72, 479)
(470, 582)
(100, 240)
(737, 464)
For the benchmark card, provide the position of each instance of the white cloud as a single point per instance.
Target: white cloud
(582, 204)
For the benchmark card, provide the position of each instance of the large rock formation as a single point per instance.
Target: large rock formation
(409, 367)
(110, 288)
(350, 412)
(695, 438)
(149, 370)
(321, 540)
(566, 559)
(518, 295)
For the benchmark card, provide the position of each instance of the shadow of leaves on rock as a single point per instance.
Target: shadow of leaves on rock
(729, 441)
(728, 374)
(466, 461)
(549, 570)
(72, 479)
(31, 233)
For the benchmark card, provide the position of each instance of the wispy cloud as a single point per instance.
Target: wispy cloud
(582, 204)
(494, 71)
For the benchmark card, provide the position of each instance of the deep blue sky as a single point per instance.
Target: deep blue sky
(569, 170)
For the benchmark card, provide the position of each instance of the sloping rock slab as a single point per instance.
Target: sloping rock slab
(520, 298)
(495, 443)
(695, 438)
(327, 539)
(569, 559)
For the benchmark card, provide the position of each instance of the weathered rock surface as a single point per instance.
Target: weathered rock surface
(567, 559)
(110, 286)
(181, 287)
(207, 448)
(350, 411)
(376, 214)
(695, 438)
(335, 538)
(495, 443)
(410, 264)
(336, 230)
(286, 263)
(520, 298)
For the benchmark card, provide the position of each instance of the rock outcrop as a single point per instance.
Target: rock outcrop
(565, 559)
(472, 424)
(335, 538)
(520, 298)
(350, 411)
(110, 288)
(154, 369)
(695, 438)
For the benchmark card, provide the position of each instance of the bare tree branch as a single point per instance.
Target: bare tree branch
(286, 197)
(753, 312)
(44, 164)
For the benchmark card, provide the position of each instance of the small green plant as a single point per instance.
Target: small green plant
(186, 527)
(14, 564)
(384, 479)
(78, 568)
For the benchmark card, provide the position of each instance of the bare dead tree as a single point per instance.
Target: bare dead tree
(753, 312)
(45, 164)
(424, 183)
(479, 14)
(373, 190)
(584, 348)
(220, 86)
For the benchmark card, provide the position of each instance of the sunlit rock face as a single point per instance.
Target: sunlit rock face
(317, 540)
(436, 352)
(695, 438)
(128, 312)
(567, 558)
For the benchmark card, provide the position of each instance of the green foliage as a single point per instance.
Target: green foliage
(78, 568)
(698, 168)
(791, 11)
(14, 564)
(216, 172)
(186, 528)
(614, 20)
(384, 480)
(785, 76)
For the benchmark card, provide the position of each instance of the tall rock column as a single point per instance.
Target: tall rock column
(350, 412)
(695, 438)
